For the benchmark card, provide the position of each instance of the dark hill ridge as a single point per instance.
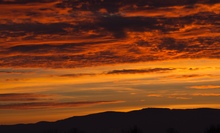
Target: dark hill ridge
(150, 120)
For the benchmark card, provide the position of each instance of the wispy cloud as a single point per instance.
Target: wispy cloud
(207, 94)
(78, 75)
(15, 97)
(42, 101)
(123, 71)
(154, 95)
(188, 76)
(205, 87)
(11, 71)
(134, 71)
(183, 96)
(54, 105)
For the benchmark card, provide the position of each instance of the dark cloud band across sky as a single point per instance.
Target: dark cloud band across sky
(54, 105)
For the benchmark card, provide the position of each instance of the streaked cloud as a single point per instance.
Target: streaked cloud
(188, 76)
(205, 87)
(115, 6)
(207, 94)
(54, 105)
(193, 95)
(123, 71)
(134, 71)
(11, 71)
(24, 1)
(16, 97)
(77, 75)
(154, 95)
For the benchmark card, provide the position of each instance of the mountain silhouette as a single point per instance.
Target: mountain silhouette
(150, 120)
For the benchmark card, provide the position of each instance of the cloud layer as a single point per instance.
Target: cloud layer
(22, 97)
(51, 105)
(74, 33)
(23, 101)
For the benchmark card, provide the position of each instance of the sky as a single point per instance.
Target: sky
(63, 58)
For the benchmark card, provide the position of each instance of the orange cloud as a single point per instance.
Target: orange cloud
(67, 35)
(188, 76)
(191, 96)
(154, 95)
(207, 94)
(205, 87)
(179, 96)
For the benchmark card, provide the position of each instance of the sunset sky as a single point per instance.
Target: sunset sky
(63, 58)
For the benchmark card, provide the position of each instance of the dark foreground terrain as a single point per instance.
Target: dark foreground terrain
(149, 120)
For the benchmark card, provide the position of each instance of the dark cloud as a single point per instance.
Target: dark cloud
(46, 105)
(207, 41)
(118, 24)
(77, 75)
(53, 48)
(202, 18)
(40, 101)
(193, 69)
(36, 28)
(35, 61)
(24, 1)
(23, 97)
(171, 44)
(11, 71)
(134, 71)
(114, 6)
(13, 79)
(123, 71)
(188, 76)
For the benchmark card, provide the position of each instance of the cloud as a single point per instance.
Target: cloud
(207, 94)
(135, 71)
(24, 1)
(23, 101)
(77, 75)
(118, 25)
(24, 97)
(188, 76)
(154, 95)
(14, 79)
(191, 96)
(171, 44)
(54, 105)
(123, 71)
(16, 71)
(36, 28)
(181, 97)
(114, 6)
(183, 10)
(72, 33)
(205, 87)
(53, 48)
